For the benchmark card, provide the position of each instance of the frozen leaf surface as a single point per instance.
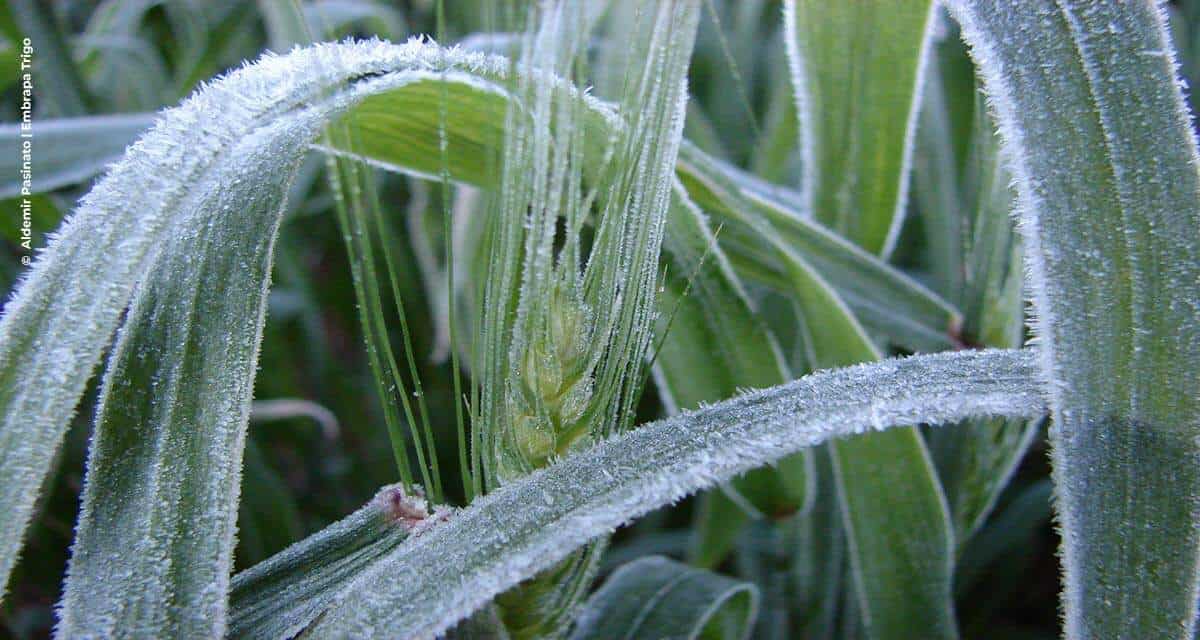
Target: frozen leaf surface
(656, 597)
(1104, 160)
(457, 566)
(856, 71)
(210, 191)
(280, 596)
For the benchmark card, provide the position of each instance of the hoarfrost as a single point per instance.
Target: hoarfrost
(454, 567)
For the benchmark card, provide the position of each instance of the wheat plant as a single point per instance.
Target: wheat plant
(618, 319)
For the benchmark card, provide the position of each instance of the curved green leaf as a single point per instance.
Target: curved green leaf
(154, 538)
(656, 597)
(857, 71)
(886, 483)
(210, 202)
(1104, 159)
(885, 299)
(450, 570)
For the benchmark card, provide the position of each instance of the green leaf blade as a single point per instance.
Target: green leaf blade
(442, 575)
(714, 329)
(885, 299)
(656, 597)
(155, 535)
(899, 535)
(886, 483)
(1104, 159)
(280, 596)
(856, 72)
(65, 311)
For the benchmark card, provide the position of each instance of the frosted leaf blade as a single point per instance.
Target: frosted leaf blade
(529, 525)
(656, 597)
(154, 539)
(886, 300)
(65, 311)
(886, 481)
(856, 72)
(1104, 161)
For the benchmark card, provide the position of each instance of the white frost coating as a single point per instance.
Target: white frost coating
(910, 132)
(804, 110)
(65, 310)
(1003, 105)
(1104, 159)
(856, 158)
(280, 596)
(426, 585)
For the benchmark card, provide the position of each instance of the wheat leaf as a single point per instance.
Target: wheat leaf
(856, 71)
(155, 534)
(739, 353)
(195, 181)
(885, 299)
(457, 566)
(1104, 161)
(278, 597)
(656, 597)
(886, 483)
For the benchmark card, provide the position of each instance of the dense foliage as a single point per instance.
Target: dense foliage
(682, 318)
